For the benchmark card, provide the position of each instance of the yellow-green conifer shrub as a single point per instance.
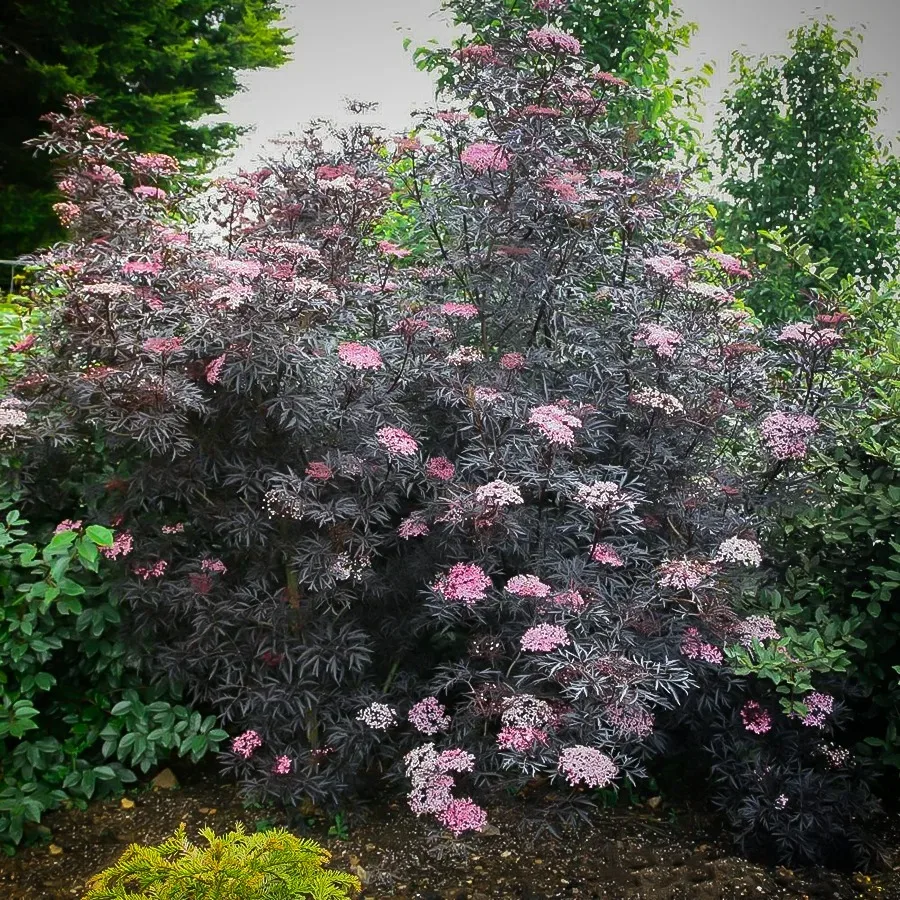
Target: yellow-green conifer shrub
(275, 865)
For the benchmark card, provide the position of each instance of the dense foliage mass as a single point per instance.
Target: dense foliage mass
(274, 865)
(489, 510)
(157, 68)
(800, 152)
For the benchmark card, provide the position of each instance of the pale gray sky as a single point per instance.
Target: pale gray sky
(354, 48)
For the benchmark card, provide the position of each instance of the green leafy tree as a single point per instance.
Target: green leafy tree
(157, 68)
(800, 151)
(633, 39)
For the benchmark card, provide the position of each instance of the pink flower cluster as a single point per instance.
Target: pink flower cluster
(431, 794)
(512, 362)
(570, 599)
(464, 583)
(545, 638)
(162, 346)
(786, 435)
(12, 414)
(156, 570)
(358, 356)
(662, 341)
(610, 79)
(463, 815)
(484, 156)
(521, 739)
(177, 528)
(211, 564)
(606, 555)
(527, 586)
(68, 525)
(730, 264)
(379, 716)
(651, 398)
(757, 628)
(246, 744)
(601, 496)
(390, 249)
(319, 471)
(396, 441)
(478, 53)
(668, 267)
(146, 192)
(440, 467)
(740, 552)
(460, 310)
(552, 40)
(121, 546)
(465, 356)
(806, 335)
(155, 164)
(283, 765)
(684, 574)
(630, 720)
(819, 705)
(694, 647)
(587, 764)
(550, 5)
(213, 371)
(499, 494)
(555, 424)
(412, 526)
(429, 716)
(755, 718)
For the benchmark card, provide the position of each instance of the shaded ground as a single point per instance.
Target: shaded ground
(629, 854)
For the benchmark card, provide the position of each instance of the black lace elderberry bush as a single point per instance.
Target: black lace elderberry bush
(501, 492)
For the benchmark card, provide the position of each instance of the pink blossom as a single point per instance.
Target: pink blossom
(786, 435)
(662, 341)
(499, 494)
(211, 564)
(283, 765)
(654, 399)
(512, 362)
(694, 648)
(358, 356)
(740, 552)
(570, 599)
(121, 546)
(478, 53)
(555, 424)
(155, 164)
(806, 335)
(543, 638)
(237, 268)
(606, 555)
(319, 471)
(429, 716)
(755, 718)
(213, 370)
(527, 586)
(464, 583)
(394, 250)
(485, 157)
(245, 744)
(630, 720)
(551, 39)
(465, 356)
(106, 134)
(411, 527)
(451, 116)
(610, 79)
(397, 441)
(757, 628)
(460, 310)
(162, 346)
(440, 467)
(520, 739)
(177, 528)
(146, 192)
(487, 396)
(550, 5)
(602, 496)
(404, 144)
(455, 760)
(684, 574)
(542, 112)
(463, 815)
(526, 710)
(667, 267)
(156, 570)
(67, 213)
(21, 346)
(731, 264)
(588, 765)
(68, 525)
(378, 716)
(819, 705)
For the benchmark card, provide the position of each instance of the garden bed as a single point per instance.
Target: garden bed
(659, 854)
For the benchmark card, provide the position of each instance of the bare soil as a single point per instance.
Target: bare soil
(637, 853)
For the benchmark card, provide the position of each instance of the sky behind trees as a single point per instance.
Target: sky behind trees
(353, 48)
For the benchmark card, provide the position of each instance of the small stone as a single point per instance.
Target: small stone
(371, 847)
(125, 803)
(165, 781)
(361, 874)
(654, 802)
(207, 810)
(538, 862)
(55, 849)
(506, 854)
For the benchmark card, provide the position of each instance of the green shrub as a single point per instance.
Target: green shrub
(74, 720)
(270, 865)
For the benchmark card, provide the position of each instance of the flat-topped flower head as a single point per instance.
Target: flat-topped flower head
(246, 744)
(555, 424)
(359, 356)
(740, 552)
(527, 586)
(663, 341)
(499, 494)
(429, 716)
(394, 250)
(521, 739)
(162, 346)
(786, 435)
(730, 264)
(460, 310)
(283, 765)
(588, 766)
(378, 716)
(551, 40)
(684, 574)
(512, 362)
(464, 583)
(805, 335)
(668, 267)
(544, 638)
(602, 496)
(606, 555)
(820, 706)
(412, 527)
(484, 54)
(484, 156)
(463, 815)
(440, 467)
(755, 718)
(397, 441)
(651, 398)
(694, 647)
(319, 471)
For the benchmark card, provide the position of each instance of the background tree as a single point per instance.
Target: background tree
(157, 67)
(633, 39)
(800, 151)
